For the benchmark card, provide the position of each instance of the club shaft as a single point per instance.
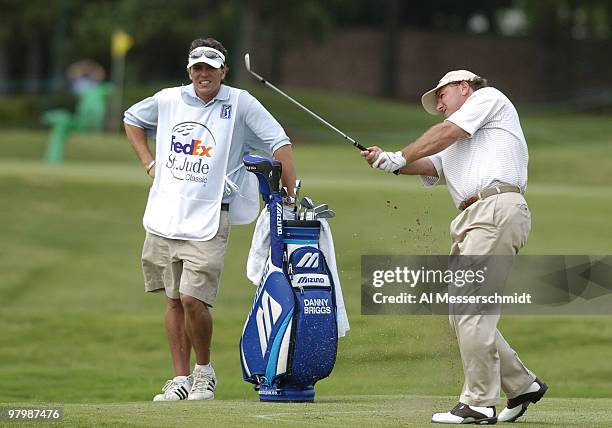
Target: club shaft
(313, 114)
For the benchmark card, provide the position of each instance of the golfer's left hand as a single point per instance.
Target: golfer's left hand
(389, 161)
(371, 154)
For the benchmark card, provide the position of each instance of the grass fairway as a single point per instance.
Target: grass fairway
(329, 411)
(78, 330)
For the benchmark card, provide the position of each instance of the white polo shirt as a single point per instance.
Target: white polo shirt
(495, 152)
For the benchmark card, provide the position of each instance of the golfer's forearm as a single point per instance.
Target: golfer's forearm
(422, 166)
(434, 140)
(288, 176)
(138, 140)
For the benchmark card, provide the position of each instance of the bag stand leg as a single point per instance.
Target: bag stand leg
(287, 394)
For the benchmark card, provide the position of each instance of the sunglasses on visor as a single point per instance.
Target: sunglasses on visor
(199, 52)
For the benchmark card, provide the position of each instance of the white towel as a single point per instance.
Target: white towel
(260, 251)
(260, 248)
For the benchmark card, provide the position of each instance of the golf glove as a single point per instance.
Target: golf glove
(389, 161)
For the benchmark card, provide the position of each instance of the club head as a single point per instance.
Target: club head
(247, 61)
(320, 208)
(296, 189)
(268, 173)
(325, 214)
(307, 203)
(296, 192)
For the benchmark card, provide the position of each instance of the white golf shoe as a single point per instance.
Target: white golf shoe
(204, 383)
(518, 405)
(175, 389)
(465, 414)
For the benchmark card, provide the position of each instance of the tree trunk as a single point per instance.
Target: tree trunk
(389, 74)
(247, 24)
(33, 61)
(277, 52)
(4, 73)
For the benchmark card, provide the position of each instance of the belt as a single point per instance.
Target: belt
(224, 207)
(495, 190)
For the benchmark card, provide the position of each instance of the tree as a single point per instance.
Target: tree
(290, 23)
(24, 36)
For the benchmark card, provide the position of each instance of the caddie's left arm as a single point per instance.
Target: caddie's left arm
(284, 154)
(270, 137)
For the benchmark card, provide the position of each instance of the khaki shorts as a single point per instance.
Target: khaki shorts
(185, 267)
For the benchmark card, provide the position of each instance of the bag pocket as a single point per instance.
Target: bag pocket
(314, 342)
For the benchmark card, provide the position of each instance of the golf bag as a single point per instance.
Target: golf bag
(290, 337)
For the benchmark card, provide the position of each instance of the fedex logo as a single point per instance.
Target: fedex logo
(195, 148)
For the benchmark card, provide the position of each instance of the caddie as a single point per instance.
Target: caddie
(479, 152)
(199, 188)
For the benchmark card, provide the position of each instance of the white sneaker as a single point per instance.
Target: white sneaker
(175, 389)
(204, 383)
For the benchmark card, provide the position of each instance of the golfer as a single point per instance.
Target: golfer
(479, 152)
(199, 188)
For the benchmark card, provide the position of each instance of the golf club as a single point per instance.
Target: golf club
(313, 211)
(325, 214)
(296, 195)
(320, 208)
(247, 63)
(307, 204)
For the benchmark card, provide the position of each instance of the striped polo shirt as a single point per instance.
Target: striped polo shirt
(494, 152)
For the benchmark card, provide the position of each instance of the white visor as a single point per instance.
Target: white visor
(210, 56)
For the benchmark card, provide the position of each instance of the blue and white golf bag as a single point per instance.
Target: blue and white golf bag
(290, 337)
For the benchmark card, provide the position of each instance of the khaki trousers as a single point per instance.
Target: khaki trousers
(498, 225)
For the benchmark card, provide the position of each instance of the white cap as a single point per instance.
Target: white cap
(210, 56)
(429, 99)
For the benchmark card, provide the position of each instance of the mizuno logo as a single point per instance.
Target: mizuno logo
(279, 219)
(267, 315)
(311, 280)
(309, 260)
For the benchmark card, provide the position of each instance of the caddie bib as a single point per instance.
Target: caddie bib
(192, 152)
